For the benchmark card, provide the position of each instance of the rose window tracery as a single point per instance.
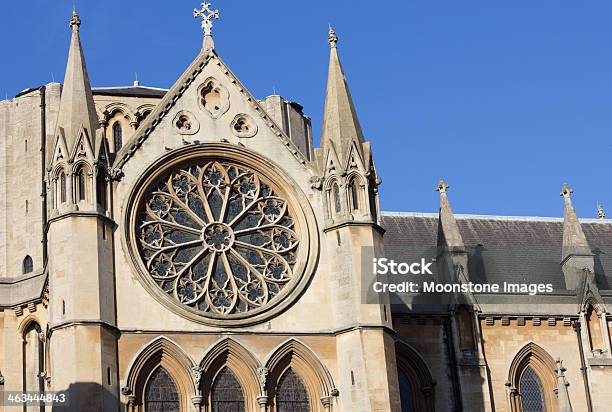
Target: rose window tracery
(217, 237)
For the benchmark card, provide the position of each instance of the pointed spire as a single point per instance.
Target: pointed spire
(574, 240)
(448, 230)
(77, 107)
(563, 401)
(340, 123)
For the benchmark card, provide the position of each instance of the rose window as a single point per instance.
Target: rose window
(216, 237)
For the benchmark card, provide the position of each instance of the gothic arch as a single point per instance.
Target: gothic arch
(112, 109)
(544, 366)
(303, 361)
(415, 369)
(229, 353)
(161, 352)
(85, 167)
(356, 187)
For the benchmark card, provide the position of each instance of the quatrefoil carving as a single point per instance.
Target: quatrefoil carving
(213, 98)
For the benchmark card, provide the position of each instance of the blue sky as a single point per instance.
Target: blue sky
(505, 100)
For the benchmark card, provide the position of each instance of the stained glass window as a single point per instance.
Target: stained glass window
(161, 394)
(532, 392)
(226, 394)
(216, 237)
(405, 392)
(291, 394)
(117, 136)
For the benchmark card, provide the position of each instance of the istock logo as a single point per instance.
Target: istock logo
(384, 266)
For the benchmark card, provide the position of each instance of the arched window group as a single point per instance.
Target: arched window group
(230, 380)
(414, 379)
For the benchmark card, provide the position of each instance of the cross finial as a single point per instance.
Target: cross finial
(601, 214)
(442, 186)
(332, 38)
(566, 191)
(75, 21)
(207, 15)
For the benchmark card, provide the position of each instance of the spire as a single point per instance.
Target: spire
(77, 107)
(563, 401)
(207, 15)
(448, 230)
(574, 240)
(340, 124)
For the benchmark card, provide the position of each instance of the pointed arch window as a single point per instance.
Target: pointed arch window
(101, 190)
(532, 391)
(336, 197)
(161, 393)
(291, 394)
(33, 359)
(81, 180)
(117, 136)
(353, 191)
(63, 189)
(405, 388)
(28, 264)
(227, 394)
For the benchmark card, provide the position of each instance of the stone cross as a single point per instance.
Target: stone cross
(75, 21)
(332, 38)
(442, 186)
(566, 191)
(601, 214)
(207, 16)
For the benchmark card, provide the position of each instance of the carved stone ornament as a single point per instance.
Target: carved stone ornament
(196, 372)
(316, 182)
(185, 123)
(213, 98)
(222, 238)
(243, 126)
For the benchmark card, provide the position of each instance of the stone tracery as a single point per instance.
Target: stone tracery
(215, 236)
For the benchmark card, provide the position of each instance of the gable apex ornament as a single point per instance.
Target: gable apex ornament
(207, 15)
(601, 214)
(75, 21)
(442, 186)
(566, 191)
(332, 37)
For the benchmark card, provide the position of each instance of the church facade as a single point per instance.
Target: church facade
(190, 249)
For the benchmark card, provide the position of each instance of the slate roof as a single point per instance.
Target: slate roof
(511, 249)
(130, 91)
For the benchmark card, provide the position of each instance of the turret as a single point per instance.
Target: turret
(576, 255)
(349, 175)
(82, 318)
(78, 160)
